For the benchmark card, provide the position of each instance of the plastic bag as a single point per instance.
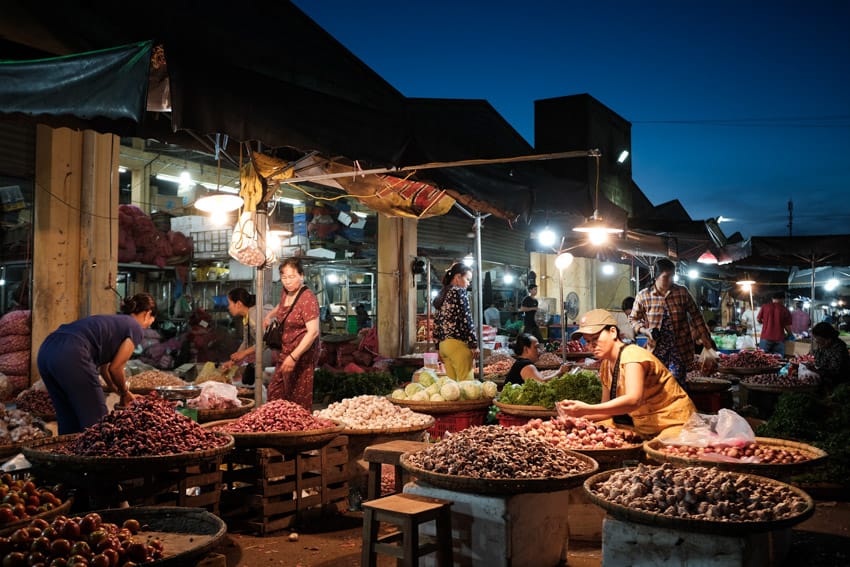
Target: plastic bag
(247, 246)
(216, 395)
(745, 341)
(727, 428)
(707, 361)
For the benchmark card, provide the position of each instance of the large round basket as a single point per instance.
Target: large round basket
(654, 450)
(725, 527)
(187, 534)
(205, 415)
(286, 439)
(387, 430)
(502, 485)
(525, 411)
(614, 458)
(44, 452)
(444, 407)
(748, 371)
(707, 385)
(577, 355)
(778, 389)
(63, 508)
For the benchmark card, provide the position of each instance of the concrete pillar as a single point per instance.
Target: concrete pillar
(396, 309)
(75, 235)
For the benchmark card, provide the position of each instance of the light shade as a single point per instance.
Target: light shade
(597, 230)
(219, 202)
(624, 155)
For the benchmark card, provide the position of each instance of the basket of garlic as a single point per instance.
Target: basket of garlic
(365, 415)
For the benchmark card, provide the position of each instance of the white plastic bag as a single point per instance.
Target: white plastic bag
(247, 245)
(216, 395)
(727, 428)
(745, 341)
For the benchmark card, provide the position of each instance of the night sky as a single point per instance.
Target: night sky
(736, 107)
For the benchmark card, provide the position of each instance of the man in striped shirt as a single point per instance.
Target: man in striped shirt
(667, 314)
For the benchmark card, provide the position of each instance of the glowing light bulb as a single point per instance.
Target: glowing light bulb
(547, 237)
(597, 237)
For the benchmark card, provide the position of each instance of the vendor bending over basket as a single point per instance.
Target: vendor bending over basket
(634, 381)
(527, 353)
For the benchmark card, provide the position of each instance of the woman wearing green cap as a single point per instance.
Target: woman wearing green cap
(634, 381)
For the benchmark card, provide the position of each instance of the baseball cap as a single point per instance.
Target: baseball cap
(593, 322)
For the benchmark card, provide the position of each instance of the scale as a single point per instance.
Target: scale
(181, 394)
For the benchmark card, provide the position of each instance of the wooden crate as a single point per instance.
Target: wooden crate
(194, 486)
(269, 489)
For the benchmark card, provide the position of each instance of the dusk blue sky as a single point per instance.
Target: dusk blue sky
(736, 107)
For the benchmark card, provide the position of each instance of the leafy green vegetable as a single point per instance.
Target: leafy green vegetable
(824, 423)
(583, 385)
(335, 386)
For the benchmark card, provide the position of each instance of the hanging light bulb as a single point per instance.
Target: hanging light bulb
(332, 278)
(693, 274)
(831, 284)
(595, 227)
(564, 260)
(468, 260)
(547, 237)
(2, 275)
(608, 269)
(508, 278)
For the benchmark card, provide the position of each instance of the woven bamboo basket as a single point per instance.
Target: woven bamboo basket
(205, 415)
(44, 452)
(707, 384)
(656, 453)
(187, 534)
(725, 527)
(574, 355)
(280, 439)
(444, 407)
(525, 411)
(778, 389)
(502, 485)
(62, 509)
(748, 371)
(387, 430)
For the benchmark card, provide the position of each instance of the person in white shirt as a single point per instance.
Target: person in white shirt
(748, 319)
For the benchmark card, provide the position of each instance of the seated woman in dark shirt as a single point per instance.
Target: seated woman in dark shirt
(832, 361)
(526, 353)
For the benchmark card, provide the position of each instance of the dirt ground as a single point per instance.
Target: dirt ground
(821, 541)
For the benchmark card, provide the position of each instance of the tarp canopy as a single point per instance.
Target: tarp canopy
(790, 251)
(108, 88)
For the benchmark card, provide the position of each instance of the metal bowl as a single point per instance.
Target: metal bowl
(174, 393)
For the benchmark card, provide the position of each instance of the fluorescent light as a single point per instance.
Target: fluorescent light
(213, 186)
(360, 214)
(290, 201)
(122, 169)
(831, 284)
(332, 278)
(624, 155)
(596, 229)
(185, 177)
(219, 203)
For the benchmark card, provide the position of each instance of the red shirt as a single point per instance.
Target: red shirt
(775, 318)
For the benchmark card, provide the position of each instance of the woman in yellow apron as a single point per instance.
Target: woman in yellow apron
(634, 381)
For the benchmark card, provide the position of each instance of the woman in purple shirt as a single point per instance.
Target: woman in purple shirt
(73, 357)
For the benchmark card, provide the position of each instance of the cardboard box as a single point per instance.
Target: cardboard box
(797, 348)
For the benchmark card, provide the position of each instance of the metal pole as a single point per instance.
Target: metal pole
(261, 225)
(812, 302)
(428, 304)
(562, 316)
(479, 294)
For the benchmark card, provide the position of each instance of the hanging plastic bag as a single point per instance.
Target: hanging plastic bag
(247, 246)
(744, 342)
